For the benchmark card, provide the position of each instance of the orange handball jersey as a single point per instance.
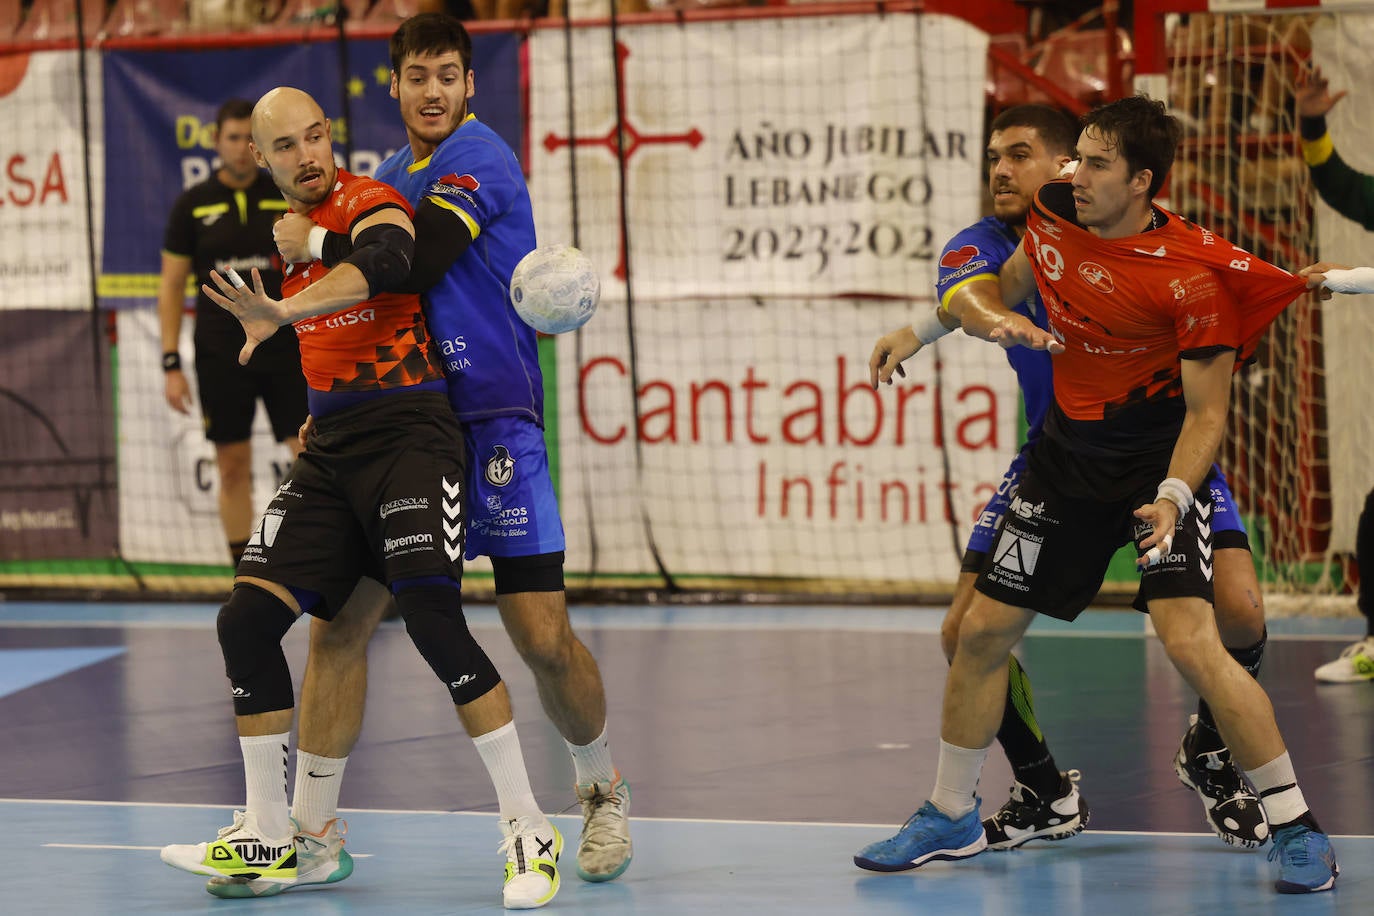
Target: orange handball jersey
(378, 344)
(1126, 309)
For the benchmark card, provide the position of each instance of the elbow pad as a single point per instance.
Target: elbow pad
(382, 254)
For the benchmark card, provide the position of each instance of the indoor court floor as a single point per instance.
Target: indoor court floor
(764, 747)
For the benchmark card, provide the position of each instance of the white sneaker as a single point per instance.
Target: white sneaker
(320, 859)
(239, 851)
(1355, 664)
(532, 848)
(604, 851)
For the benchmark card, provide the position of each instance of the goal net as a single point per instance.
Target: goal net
(1300, 437)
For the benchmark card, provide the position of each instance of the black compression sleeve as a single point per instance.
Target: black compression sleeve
(440, 237)
(336, 247)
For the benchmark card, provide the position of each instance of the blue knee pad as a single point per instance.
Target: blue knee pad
(251, 626)
(434, 620)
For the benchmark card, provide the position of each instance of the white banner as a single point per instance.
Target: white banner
(765, 450)
(168, 482)
(45, 259)
(803, 156)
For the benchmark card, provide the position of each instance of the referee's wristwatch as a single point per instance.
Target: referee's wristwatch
(170, 361)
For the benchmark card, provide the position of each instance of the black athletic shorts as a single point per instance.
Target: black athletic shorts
(378, 492)
(1053, 549)
(229, 394)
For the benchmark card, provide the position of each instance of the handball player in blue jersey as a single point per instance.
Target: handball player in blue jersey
(473, 223)
(1029, 145)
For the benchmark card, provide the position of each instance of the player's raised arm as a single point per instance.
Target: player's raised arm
(984, 308)
(895, 347)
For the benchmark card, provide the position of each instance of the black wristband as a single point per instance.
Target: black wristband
(171, 361)
(336, 247)
(1312, 128)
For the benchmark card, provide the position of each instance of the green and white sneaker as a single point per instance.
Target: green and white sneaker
(239, 851)
(604, 852)
(320, 860)
(532, 848)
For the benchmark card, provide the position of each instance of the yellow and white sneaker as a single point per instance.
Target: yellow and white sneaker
(239, 851)
(604, 851)
(532, 848)
(320, 859)
(1355, 664)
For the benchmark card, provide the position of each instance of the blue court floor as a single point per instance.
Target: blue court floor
(764, 746)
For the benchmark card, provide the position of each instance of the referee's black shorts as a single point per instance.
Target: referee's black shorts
(229, 394)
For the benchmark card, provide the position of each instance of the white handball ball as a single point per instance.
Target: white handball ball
(555, 289)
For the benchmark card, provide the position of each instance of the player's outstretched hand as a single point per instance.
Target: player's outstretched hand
(888, 354)
(1020, 331)
(292, 235)
(1163, 514)
(1313, 96)
(259, 313)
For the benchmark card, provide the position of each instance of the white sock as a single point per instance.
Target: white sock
(500, 750)
(264, 772)
(316, 799)
(592, 761)
(956, 779)
(1277, 786)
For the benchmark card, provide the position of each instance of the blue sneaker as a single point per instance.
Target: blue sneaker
(1307, 863)
(928, 835)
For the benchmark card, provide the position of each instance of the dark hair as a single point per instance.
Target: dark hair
(233, 110)
(1144, 130)
(430, 33)
(1057, 130)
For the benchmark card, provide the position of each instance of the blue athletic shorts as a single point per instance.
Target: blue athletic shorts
(1228, 530)
(512, 509)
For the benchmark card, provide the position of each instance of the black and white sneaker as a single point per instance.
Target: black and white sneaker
(1232, 808)
(1026, 816)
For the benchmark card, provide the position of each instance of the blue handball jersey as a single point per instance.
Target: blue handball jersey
(971, 256)
(490, 356)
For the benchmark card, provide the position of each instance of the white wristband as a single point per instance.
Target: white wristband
(316, 242)
(1176, 492)
(929, 329)
(1355, 280)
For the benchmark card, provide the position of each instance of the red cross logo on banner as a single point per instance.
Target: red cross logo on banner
(633, 138)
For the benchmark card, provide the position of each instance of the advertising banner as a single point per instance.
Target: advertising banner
(57, 469)
(45, 260)
(806, 156)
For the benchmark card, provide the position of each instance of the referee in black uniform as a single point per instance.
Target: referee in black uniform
(223, 222)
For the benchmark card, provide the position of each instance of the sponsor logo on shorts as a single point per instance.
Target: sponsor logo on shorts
(500, 467)
(264, 535)
(404, 504)
(1026, 509)
(408, 540)
(1017, 553)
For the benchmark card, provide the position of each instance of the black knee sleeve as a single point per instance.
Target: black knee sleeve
(1251, 656)
(434, 620)
(540, 573)
(251, 626)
